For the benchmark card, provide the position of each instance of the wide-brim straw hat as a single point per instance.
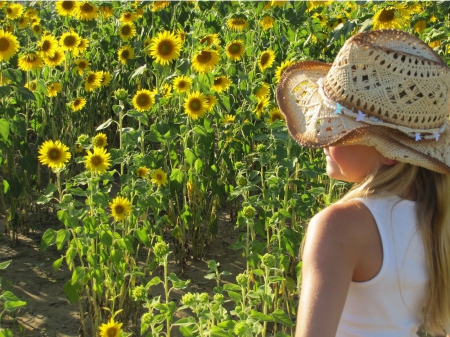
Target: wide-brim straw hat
(386, 89)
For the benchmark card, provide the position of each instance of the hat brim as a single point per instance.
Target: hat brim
(314, 124)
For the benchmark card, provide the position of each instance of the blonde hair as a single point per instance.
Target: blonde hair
(431, 191)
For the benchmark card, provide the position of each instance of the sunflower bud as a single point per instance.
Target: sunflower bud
(204, 298)
(248, 212)
(139, 293)
(121, 94)
(188, 299)
(268, 260)
(242, 279)
(161, 249)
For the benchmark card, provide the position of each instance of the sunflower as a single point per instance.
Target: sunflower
(420, 26)
(228, 119)
(127, 17)
(275, 114)
(4, 80)
(53, 154)
(181, 34)
(263, 90)
(262, 104)
(36, 28)
(282, 68)
(14, 11)
(212, 101)
(8, 45)
(266, 59)
(182, 83)
(396, 16)
(31, 13)
(53, 89)
(106, 11)
(125, 53)
(166, 91)
(267, 22)
(237, 24)
(142, 171)
(235, 50)
(127, 31)
(66, 8)
(86, 11)
(159, 177)
(281, 3)
(77, 104)
(98, 160)
(210, 39)
(56, 59)
(106, 78)
(221, 83)
(23, 22)
(166, 47)
(32, 85)
(93, 80)
(100, 140)
(84, 43)
(205, 60)
(82, 65)
(195, 105)
(111, 329)
(48, 45)
(159, 5)
(120, 209)
(70, 41)
(30, 61)
(143, 100)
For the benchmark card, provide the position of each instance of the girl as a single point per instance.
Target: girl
(376, 263)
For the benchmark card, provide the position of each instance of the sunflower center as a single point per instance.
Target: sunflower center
(159, 177)
(4, 44)
(387, 15)
(204, 56)
(182, 84)
(143, 100)
(9, 11)
(126, 30)
(264, 59)
(70, 41)
(276, 117)
(67, 5)
(31, 58)
(96, 160)
(91, 78)
(37, 28)
(77, 102)
(55, 57)
(235, 48)
(112, 331)
(82, 65)
(195, 104)
(217, 81)
(127, 15)
(125, 54)
(165, 47)
(54, 154)
(119, 209)
(46, 46)
(87, 8)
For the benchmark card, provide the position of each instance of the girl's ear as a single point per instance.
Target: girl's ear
(389, 162)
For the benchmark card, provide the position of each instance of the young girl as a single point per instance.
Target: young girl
(376, 263)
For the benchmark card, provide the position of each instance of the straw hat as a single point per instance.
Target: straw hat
(386, 89)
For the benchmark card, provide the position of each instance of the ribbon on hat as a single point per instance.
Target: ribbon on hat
(417, 134)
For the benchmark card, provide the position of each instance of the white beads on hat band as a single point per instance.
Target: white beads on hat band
(417, 134)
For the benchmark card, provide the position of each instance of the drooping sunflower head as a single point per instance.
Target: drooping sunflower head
(77, 104)
(84, 43)
(210, 39)
(66, 8)
(82, 65)
(267, 22)
(212, 101)
(127, 17)
(235, 50)
(196, 105)
(30, 61)
(120, 209)
(263, 90)
(48, 45)
(93, 81)
(266, 59)
(36, 28)
(9, 45)
(54, 154)
(53, 89)
(159, 5)
(182, 83)
(142, 172)
(261, 105)
(159, 177)
(70, 41)
(396, 17)
(165, 91)
(282, 68)
(165, 48)
(221, 83)
(205, 60)
(99, 140)
(127, 31)
(31, 85)
(105, 78)
(23, 22)
(31, 13)
(237, 24)
(143, 100)
(274, 115)
(106, 11)
(86, 11)
(98, 160)
(111, 329)
(228, 119)
(125, 53)
(56, 59)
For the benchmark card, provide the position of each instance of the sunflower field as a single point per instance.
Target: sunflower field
(135, 124)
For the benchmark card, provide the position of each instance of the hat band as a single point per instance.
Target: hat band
(362, 117)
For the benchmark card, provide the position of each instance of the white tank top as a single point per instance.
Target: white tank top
(390, 304)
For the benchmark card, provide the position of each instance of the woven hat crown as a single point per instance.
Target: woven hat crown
(393, 77)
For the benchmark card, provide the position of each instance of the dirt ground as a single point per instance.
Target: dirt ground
(48, 313)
